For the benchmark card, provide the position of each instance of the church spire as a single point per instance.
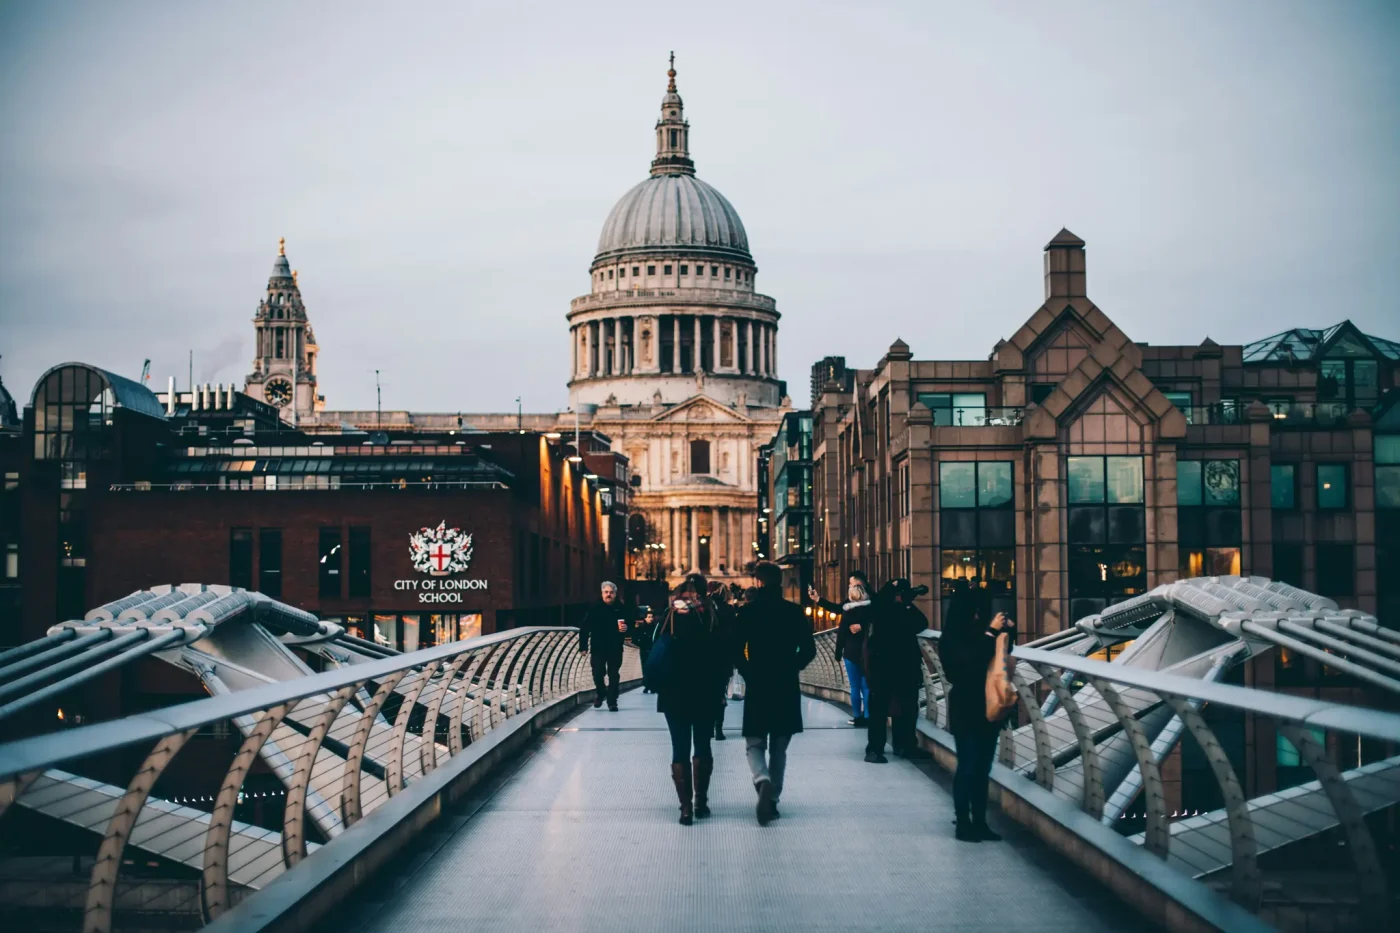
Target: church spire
(672, 132)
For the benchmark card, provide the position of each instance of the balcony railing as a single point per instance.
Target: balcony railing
(706, 296)
(976, 417)
(1214, 414)
(1310, 414)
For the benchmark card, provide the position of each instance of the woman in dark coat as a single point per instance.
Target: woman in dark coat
(691, 697)
(774, 644)
(894, 667)
(966, 648)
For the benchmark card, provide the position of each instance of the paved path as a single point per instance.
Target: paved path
(583, 837)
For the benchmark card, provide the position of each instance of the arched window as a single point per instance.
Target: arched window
(675, 138)
(699, 456)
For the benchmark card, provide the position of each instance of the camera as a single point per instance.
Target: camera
(914, 592)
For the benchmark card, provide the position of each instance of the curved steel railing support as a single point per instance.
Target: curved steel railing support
(102, 889)
(393, 781)
(1044, 754)
(350, 802)
(294, 815)
(1375, 901)
(213, 890)
(1088, 752)
(1246, 885)
(1158, 836)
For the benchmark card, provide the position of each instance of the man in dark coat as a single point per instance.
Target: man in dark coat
(894, 666)
(774, 643)
(601, 634)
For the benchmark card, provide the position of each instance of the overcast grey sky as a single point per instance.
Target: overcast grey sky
(441, 173)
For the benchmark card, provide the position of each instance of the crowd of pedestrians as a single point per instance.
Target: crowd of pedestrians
(710, 641)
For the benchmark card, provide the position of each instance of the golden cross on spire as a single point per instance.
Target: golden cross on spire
(671, 74)
(281, 246)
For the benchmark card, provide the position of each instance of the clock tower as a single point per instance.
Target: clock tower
(284, 362)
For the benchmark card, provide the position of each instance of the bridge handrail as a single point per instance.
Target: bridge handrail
(48, 749)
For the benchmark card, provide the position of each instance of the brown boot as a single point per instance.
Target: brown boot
(680, 776)
(704, 767)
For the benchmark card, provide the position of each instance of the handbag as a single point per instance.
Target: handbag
(1000, 693)
(660, 668)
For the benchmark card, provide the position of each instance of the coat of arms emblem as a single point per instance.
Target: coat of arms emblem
(440, 551)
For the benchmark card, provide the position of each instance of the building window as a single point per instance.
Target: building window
(1181, 400)
(1332, 486)
(270, 562)
(1387, 471)
(685, 270)
(726, 273)
(610, 273)
(1040, 391)
(977, 532)
(1288, 564)
(12, 561)
(240, 558)
(1336, 570)
(1283, 486)
(699, 456)
(359, 562)
(636, 270)
(714, 270)
(1208, 517)
(1107, 532)
(1353, 383)
(666, 269)
(699, 269)
(11, 481)
(651, 270)
(329, 563)
(905, 491)
(956, 409)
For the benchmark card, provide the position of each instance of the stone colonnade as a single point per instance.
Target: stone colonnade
(729, 532)
(608, 346)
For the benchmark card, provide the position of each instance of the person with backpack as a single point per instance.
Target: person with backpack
(774, 644)
(966, 649)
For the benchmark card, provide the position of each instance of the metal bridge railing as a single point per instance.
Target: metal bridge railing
(191, 816)
(1101, 744)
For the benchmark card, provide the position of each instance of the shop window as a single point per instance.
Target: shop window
(240, 558)
(1332, 486)
(956, 409)
(12, 561)
(360, 562)
(329, 563)
(1283, 486)
(1208, 517)
(270, 562)
(386, 631)
(1336, 570)
(409, 629)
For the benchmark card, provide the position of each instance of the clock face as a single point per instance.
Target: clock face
(278, 392)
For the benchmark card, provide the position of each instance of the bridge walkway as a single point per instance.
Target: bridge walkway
(581, 835)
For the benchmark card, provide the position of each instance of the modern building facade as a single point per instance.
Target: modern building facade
(1074, 468)
(786, 520)
(407, 542)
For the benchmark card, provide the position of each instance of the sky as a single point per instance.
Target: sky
(441, 172)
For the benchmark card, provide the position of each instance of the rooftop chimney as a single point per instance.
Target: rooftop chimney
(1064, 267)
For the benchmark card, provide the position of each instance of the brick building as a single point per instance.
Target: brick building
(1074, 468)
(121, 489)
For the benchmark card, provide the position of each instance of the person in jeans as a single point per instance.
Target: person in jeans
(690, 699)
(601, 635)
(850, 648)
(774, 643)
(966, 649)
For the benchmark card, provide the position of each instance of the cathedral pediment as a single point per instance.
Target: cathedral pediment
(701, 408)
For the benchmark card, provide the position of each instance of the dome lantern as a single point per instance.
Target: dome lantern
(672, 132)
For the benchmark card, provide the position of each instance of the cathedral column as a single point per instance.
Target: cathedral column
(720, 528)
(675, 343)
(617, 346)
(694, 539)
(749, 356)
(695, 356)
(716, 341)
(734, 344)
(773, 349)
(673, 559)
(738, 552)
(594, 329)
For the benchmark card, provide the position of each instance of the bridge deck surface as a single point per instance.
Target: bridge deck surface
(583, 837)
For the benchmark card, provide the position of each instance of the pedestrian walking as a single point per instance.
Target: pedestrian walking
(689, 696)
(966, 648)
(774, 644)
(894, 667)
(642, 633)
(601, 635)
(726, 615)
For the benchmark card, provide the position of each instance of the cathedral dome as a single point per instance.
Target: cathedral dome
(674, 212)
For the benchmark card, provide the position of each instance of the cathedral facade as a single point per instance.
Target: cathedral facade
(673, 360)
